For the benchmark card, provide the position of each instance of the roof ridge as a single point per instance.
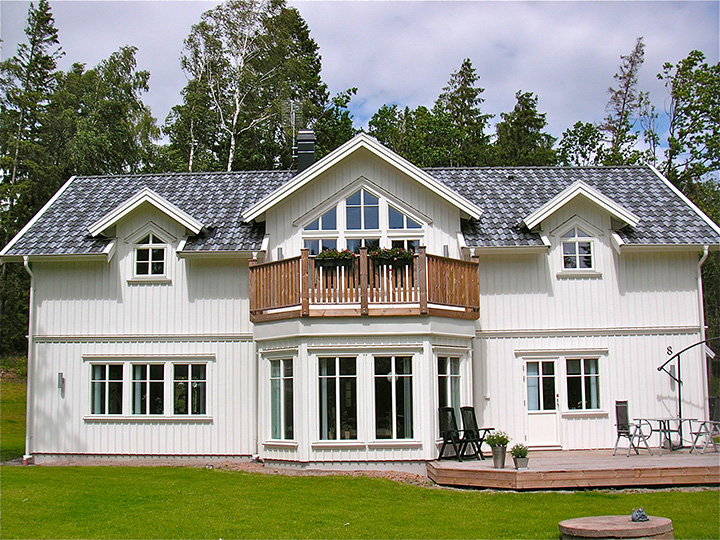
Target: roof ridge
(186, 173)
(506, 167)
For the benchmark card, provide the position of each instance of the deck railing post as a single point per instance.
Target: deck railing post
(422, 277)
(251, 283)
(304, 282)
(363, 281)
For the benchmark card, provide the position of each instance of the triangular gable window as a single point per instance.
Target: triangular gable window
(398, 220)
(326, 222)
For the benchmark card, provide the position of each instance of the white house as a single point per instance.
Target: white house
(183, 314)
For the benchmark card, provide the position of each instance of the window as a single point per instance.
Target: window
(577, 250)
(393, 397)
(410, 245)
(315, 246)
(106, 389)
(189, 388)
(326, 222)
(354, 244)
(150, 256)
(281, 399)
(362, 210)
(449, 383)
(338, 398)
(398, 220)
(583, 383)
(541, 385)
(148, 383)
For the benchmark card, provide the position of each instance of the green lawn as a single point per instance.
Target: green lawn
(12, 418)
(164, 502)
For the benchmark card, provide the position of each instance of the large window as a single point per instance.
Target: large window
(583, 383)
(281, 399)
(150, 256)
(541, 385)
(189, 388)
(577, 250)
(393, 397)
(449, 383)
(148, 392)
(106, 388)
(338, 398)
(362, 211)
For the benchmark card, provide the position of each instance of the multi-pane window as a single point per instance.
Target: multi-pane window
(540, 379)
(189, 388)
(317, 245)
(583, 383)
(281, 399)
(398, 220)
(150, 256)
(326, 222)
(338, 398)
(354, 244)
(393, 397)
(577, 250)
(449, 383)
(410, 245)
(106, 389)
(362, 211)
(148, 395)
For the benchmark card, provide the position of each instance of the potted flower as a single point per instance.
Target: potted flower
(394, 256)
(519, 453)
(333, 257)
(498, 441)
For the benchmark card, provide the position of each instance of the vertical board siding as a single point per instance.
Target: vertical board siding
(60, 423)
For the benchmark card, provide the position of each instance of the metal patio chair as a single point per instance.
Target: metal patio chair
(473, 436)
(631, 431)
(450, 433)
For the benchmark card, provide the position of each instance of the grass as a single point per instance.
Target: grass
(163, 502)
(12, 418)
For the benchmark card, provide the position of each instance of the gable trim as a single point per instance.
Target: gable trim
(570, 193)
(145, 195)
(36, 217)
(361, 141)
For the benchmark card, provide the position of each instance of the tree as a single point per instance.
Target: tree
(459, 106)
(334, 125)
(581, 146)
(623, 110)
(520, 140)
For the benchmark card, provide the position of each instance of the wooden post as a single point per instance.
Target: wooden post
(304, 282)
(251, 285)
(422, 270)
(363, 281)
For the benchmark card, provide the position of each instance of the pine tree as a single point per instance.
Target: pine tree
(520, 140)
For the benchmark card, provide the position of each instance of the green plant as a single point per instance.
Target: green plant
(497, 438)
(519, 451)
(334, 254)
(392, 254)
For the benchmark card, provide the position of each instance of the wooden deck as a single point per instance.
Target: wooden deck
(580, 469)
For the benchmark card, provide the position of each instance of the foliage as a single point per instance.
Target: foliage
(497, 438)
(334, 125)
(391, 254)
(12, 417)
(115, 502)
(581, 146)
(520, 140)
(335, 255)
(519, 451)
(623, 110)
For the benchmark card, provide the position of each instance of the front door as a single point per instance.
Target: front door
(542, 402)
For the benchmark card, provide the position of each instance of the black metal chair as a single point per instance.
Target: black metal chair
(630, 431)
(473, 436)
(450, 433)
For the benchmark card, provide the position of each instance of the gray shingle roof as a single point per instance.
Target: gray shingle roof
(215, 199)
(506, 195)
(509, 194)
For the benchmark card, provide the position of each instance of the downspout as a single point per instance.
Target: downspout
(706, 253)
(27, 458)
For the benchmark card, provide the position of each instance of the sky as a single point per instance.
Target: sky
(403, 52)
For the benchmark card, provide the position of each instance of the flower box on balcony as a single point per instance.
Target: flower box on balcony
(333, 257)
(393, 256)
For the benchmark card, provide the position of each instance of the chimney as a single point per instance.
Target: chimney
(306, 148)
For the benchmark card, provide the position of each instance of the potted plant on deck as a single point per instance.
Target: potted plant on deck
(519, 453)
(498, 441)
(333, 257)
(394, 256)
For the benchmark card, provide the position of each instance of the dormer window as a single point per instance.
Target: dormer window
(150, 253)
(577, 249)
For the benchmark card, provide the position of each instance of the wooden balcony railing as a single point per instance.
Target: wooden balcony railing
(304, 287)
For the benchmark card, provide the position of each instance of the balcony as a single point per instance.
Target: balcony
(426, 285)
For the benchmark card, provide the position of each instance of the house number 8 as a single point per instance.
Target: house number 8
(669, 351)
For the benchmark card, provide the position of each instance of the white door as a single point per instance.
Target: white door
(542, 402)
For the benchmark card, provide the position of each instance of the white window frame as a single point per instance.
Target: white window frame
(282, 405)
(165, 242)
(593, 238)
(576, 240)
(582, 376)
(105, 382)
(336, 379)
(190, 382)
(392, 378)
